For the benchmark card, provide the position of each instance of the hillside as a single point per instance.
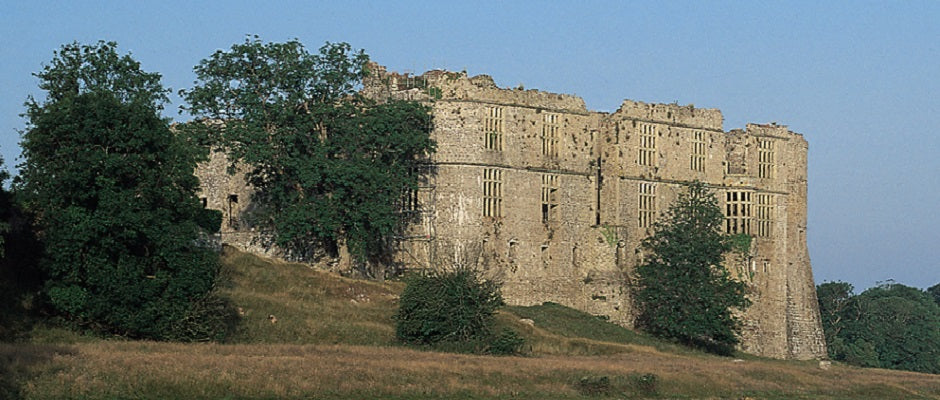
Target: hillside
(311, 334)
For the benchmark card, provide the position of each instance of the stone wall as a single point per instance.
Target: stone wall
(554, 199)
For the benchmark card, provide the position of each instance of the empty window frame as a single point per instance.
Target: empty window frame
(765, 158)
(232, 216)
(409, 200)
(492, 192)
(697, 159)
(738, 212)
(493, 129)
(549, 197)
(765, 212)
(550, 134)
(647, 149)
(646, 205)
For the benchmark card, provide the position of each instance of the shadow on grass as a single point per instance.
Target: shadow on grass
(20, 362)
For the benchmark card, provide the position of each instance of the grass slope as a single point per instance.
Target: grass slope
(334, 338)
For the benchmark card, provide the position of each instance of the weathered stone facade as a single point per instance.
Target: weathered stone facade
(555, 199)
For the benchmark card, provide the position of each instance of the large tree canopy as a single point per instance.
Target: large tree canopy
(113, 192)
(327, 164)
(683, 291)
(888, 326)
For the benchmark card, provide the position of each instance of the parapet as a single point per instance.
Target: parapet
(446, 85)
(672, 114)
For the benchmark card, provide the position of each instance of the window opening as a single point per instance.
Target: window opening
(492, 192)
(550, 135)
(647, 205)
(232, 220)
(549, 197)
(738, 212)
(647, 150)
(765, 158)
(493, 129)
(697, 160)
(765, 207)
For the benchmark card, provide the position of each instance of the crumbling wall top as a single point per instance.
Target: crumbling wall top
(446, 85)
(775, 130)
(673, 114)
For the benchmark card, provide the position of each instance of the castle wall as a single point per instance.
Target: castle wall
(554, 200)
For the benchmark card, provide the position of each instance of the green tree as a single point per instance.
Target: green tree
(328, 164)
(934, 292)
(890, 326)
(113, 192)
(834, 298)
(683, 292)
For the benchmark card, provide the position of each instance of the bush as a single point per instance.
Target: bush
(645, 384)
(507, 343)
(212, 318)
(446, 305)
(594, 386)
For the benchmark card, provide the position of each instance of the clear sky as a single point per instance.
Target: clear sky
(861, 81)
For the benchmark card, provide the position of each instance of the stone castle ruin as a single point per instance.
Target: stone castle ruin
(554, 198)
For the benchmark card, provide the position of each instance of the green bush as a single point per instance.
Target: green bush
(594, 386)
(645, 384)
(446, 305)
(212, 318)
(507, 343)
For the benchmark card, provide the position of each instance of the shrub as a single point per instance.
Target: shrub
(446, 305)
(645, 384)
(507, 343)
(594, 386)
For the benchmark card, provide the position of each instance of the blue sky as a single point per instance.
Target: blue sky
(861, 81)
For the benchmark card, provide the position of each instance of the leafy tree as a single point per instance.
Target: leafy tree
(446, 305)
(328, 165)
(113, 192)
(833, 299)
(934, 291)
(683, 291)
(888, 326)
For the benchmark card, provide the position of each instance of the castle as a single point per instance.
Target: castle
(555, 198)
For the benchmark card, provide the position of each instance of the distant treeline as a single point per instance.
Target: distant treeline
(888, 326)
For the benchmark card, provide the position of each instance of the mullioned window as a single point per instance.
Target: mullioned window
(493, 129)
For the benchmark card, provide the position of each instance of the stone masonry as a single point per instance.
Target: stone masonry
(554, 199)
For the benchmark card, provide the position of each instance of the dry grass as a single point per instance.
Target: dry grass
(334, 338)
(159, 370)
(292, 303)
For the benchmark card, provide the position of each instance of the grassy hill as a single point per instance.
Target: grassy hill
(312, 334)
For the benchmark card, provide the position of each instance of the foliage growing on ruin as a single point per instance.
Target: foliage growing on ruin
(610, 235)
(888, 326)
(328, 164)
(683, 292)
(113, 193)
